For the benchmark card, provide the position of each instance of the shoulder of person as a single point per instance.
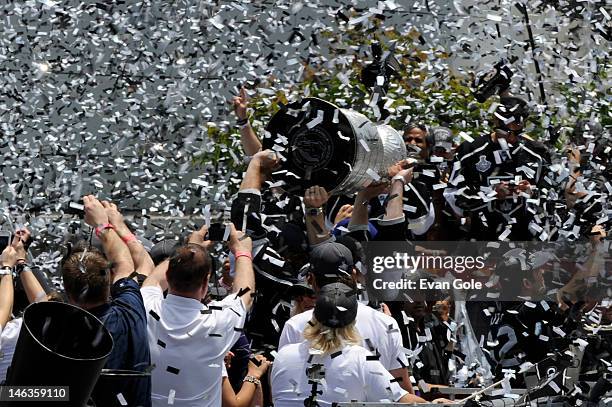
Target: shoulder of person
(356, 351)
(375, 315)
(537, 146)
(468, 146)
(11, 328)
(291, 349)
(300, 319)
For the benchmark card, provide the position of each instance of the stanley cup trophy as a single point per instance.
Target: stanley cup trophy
(338, 149)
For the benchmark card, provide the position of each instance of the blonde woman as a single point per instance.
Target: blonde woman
(330, 366)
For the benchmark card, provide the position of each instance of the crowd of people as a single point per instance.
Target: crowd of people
(284, 320)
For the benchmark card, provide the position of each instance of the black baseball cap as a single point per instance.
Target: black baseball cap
(442, 138)
(336, 305)
(331, 258)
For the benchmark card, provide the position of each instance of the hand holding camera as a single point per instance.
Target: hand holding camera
(19, 243)
(95, 213)
(115, 217)
(9, 256)
(239, 241)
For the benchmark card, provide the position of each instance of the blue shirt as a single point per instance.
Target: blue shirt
(125, 318)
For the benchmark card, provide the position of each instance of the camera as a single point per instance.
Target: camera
(218, 232)
(380, 68)
(494, 81)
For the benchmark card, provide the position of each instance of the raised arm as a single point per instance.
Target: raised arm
(244, 281)
(8, 261)
(249, 392)
(255, 175)
(250, 142)
(143, 263)
(114, 248)
(315, 199)
(32, 287)
(360, 207)
(395, 207)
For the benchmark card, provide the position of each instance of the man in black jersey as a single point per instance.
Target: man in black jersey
(495, 179)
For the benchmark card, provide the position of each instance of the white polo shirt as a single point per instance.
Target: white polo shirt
(188, 341)
(8, 340)
(375, 328)
(348, 376)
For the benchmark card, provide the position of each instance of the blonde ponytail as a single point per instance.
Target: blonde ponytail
(328, 339)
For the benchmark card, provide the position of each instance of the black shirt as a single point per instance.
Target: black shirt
(478, 166)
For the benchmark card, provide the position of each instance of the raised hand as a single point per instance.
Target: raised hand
(95, 213)
(346, 211)
(114, 216)
(239, 242)
(266, 159)
(315, 197)
(240, 104)
(258, 371)
(198, 237)
(9, 256)
(26, 237)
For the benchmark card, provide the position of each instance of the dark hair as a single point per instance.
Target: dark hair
(55, 296)
(188, 268)
(321, 279)
(511, 275)
(86, 277)
(412, 126)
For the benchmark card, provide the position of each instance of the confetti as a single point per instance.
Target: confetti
(172, 370)
(121, 399)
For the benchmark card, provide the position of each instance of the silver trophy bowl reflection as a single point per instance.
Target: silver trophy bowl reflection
(338, 149)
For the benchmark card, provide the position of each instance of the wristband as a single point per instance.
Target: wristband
(128, 238)
(243, 254)
(252, 379)
(314, 211)
(102, 227)
(399, 178)
(242, 122)
(6, 270)
(21, 267)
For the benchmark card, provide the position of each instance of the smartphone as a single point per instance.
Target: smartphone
(218, 232)
(5, 239)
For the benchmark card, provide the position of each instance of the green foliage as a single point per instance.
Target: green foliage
(432, 97)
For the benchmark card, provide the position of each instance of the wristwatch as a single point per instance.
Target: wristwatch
(21, 267)
(252, 379)
(242, 122)
(6, 270)
(399, 178)
(314, 211)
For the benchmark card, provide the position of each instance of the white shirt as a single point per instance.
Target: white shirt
(347, 376)
(8, 340)
(188, 346)
(375, 328)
